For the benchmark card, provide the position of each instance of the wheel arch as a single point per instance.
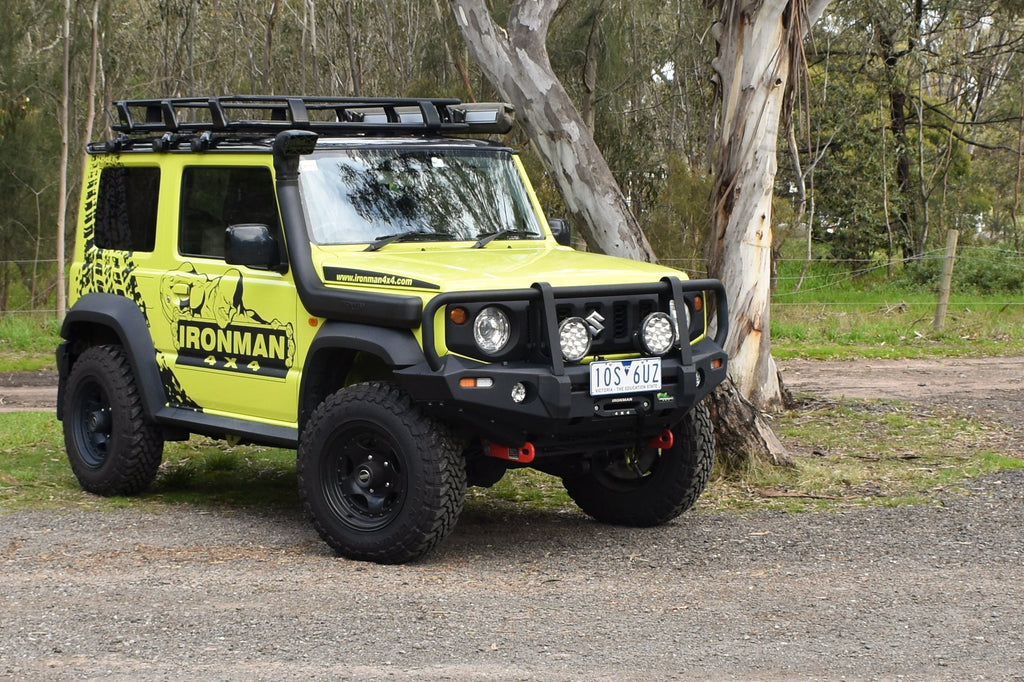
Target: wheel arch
(99, 318)
(337, 349)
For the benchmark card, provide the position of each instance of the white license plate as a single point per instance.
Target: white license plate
(608, 377)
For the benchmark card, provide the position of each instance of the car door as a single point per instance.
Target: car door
(230, 344)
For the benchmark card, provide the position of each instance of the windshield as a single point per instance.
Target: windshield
(356, 196)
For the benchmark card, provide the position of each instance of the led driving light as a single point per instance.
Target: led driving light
(680, 320)
(656, 334)
(491, 330)
(574, 338)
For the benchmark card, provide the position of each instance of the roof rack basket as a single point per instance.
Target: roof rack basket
(268, 115)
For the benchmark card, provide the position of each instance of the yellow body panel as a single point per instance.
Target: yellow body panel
(227, 338)
(232, 340)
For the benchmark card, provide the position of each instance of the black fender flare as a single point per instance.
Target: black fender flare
(122, 317)
(398, 348)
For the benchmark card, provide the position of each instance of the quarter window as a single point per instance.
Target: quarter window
(127, 208)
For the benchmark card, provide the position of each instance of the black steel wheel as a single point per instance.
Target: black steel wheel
(649, 486)
(380, 481)
(112, 448)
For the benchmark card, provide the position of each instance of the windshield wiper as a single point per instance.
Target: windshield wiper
(381, 242)
(487, 238)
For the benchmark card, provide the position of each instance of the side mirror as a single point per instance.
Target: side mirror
(561, 231)
(252, 245)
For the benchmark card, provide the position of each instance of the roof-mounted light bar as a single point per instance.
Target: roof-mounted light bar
(240, 114)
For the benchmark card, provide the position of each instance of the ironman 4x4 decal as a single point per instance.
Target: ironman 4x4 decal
(212, 327)
(110, 271)
(382, 279)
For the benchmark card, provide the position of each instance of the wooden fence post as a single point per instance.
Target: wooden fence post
(947, 280)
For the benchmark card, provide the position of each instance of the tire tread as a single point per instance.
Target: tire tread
(671, 491)
(133, 463)
(444, 480)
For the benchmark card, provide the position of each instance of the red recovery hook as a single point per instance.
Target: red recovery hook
(663, 441)
(523, 454)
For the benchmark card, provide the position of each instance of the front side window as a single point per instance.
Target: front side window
(215, 198)
(126, 209)
(361, 195)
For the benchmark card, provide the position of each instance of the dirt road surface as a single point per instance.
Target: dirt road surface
(28, 390)
(916, 593)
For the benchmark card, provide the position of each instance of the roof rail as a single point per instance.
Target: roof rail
(259, 114)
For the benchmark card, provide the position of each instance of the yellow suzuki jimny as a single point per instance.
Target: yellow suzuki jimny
(365, 281)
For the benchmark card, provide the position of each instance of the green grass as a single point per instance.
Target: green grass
(28, 342)
(839, 315)
(522, 488)
(858, 452)
(35, 474)
(848, 453)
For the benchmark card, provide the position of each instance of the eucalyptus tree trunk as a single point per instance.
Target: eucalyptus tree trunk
(759, 43)
(753, 71)
(515, 60)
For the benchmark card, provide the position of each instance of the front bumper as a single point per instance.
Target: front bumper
(559, 415)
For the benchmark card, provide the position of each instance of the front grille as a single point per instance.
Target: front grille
(622, 316)
(620, 319)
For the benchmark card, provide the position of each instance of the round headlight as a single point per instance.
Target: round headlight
(657, 334)
(574, 338)
(491, 330)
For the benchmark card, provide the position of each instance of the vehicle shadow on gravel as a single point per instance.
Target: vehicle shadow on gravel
(507, 533)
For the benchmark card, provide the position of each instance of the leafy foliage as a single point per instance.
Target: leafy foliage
(639, 69)
(984, 270)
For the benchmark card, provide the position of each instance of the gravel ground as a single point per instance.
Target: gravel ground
(916, 593)
(931, 592)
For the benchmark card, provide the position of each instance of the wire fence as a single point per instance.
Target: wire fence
(854, 269)
(812, 282)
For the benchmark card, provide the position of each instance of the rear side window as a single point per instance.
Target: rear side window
(214, 198)
(126, 210)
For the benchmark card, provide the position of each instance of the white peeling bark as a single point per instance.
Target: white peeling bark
(515, 60)
(753, 68)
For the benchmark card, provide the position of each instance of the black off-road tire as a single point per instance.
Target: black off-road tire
(379, 480)
(658, 485)
(113, 449)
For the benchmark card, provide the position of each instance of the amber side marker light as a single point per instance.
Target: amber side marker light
(698, 303)
(458, 315)
(476, 382)
(716, 363)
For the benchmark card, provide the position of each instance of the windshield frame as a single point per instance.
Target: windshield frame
(361, 210)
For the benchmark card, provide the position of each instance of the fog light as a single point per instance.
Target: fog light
(519, 392)
(574, 338)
